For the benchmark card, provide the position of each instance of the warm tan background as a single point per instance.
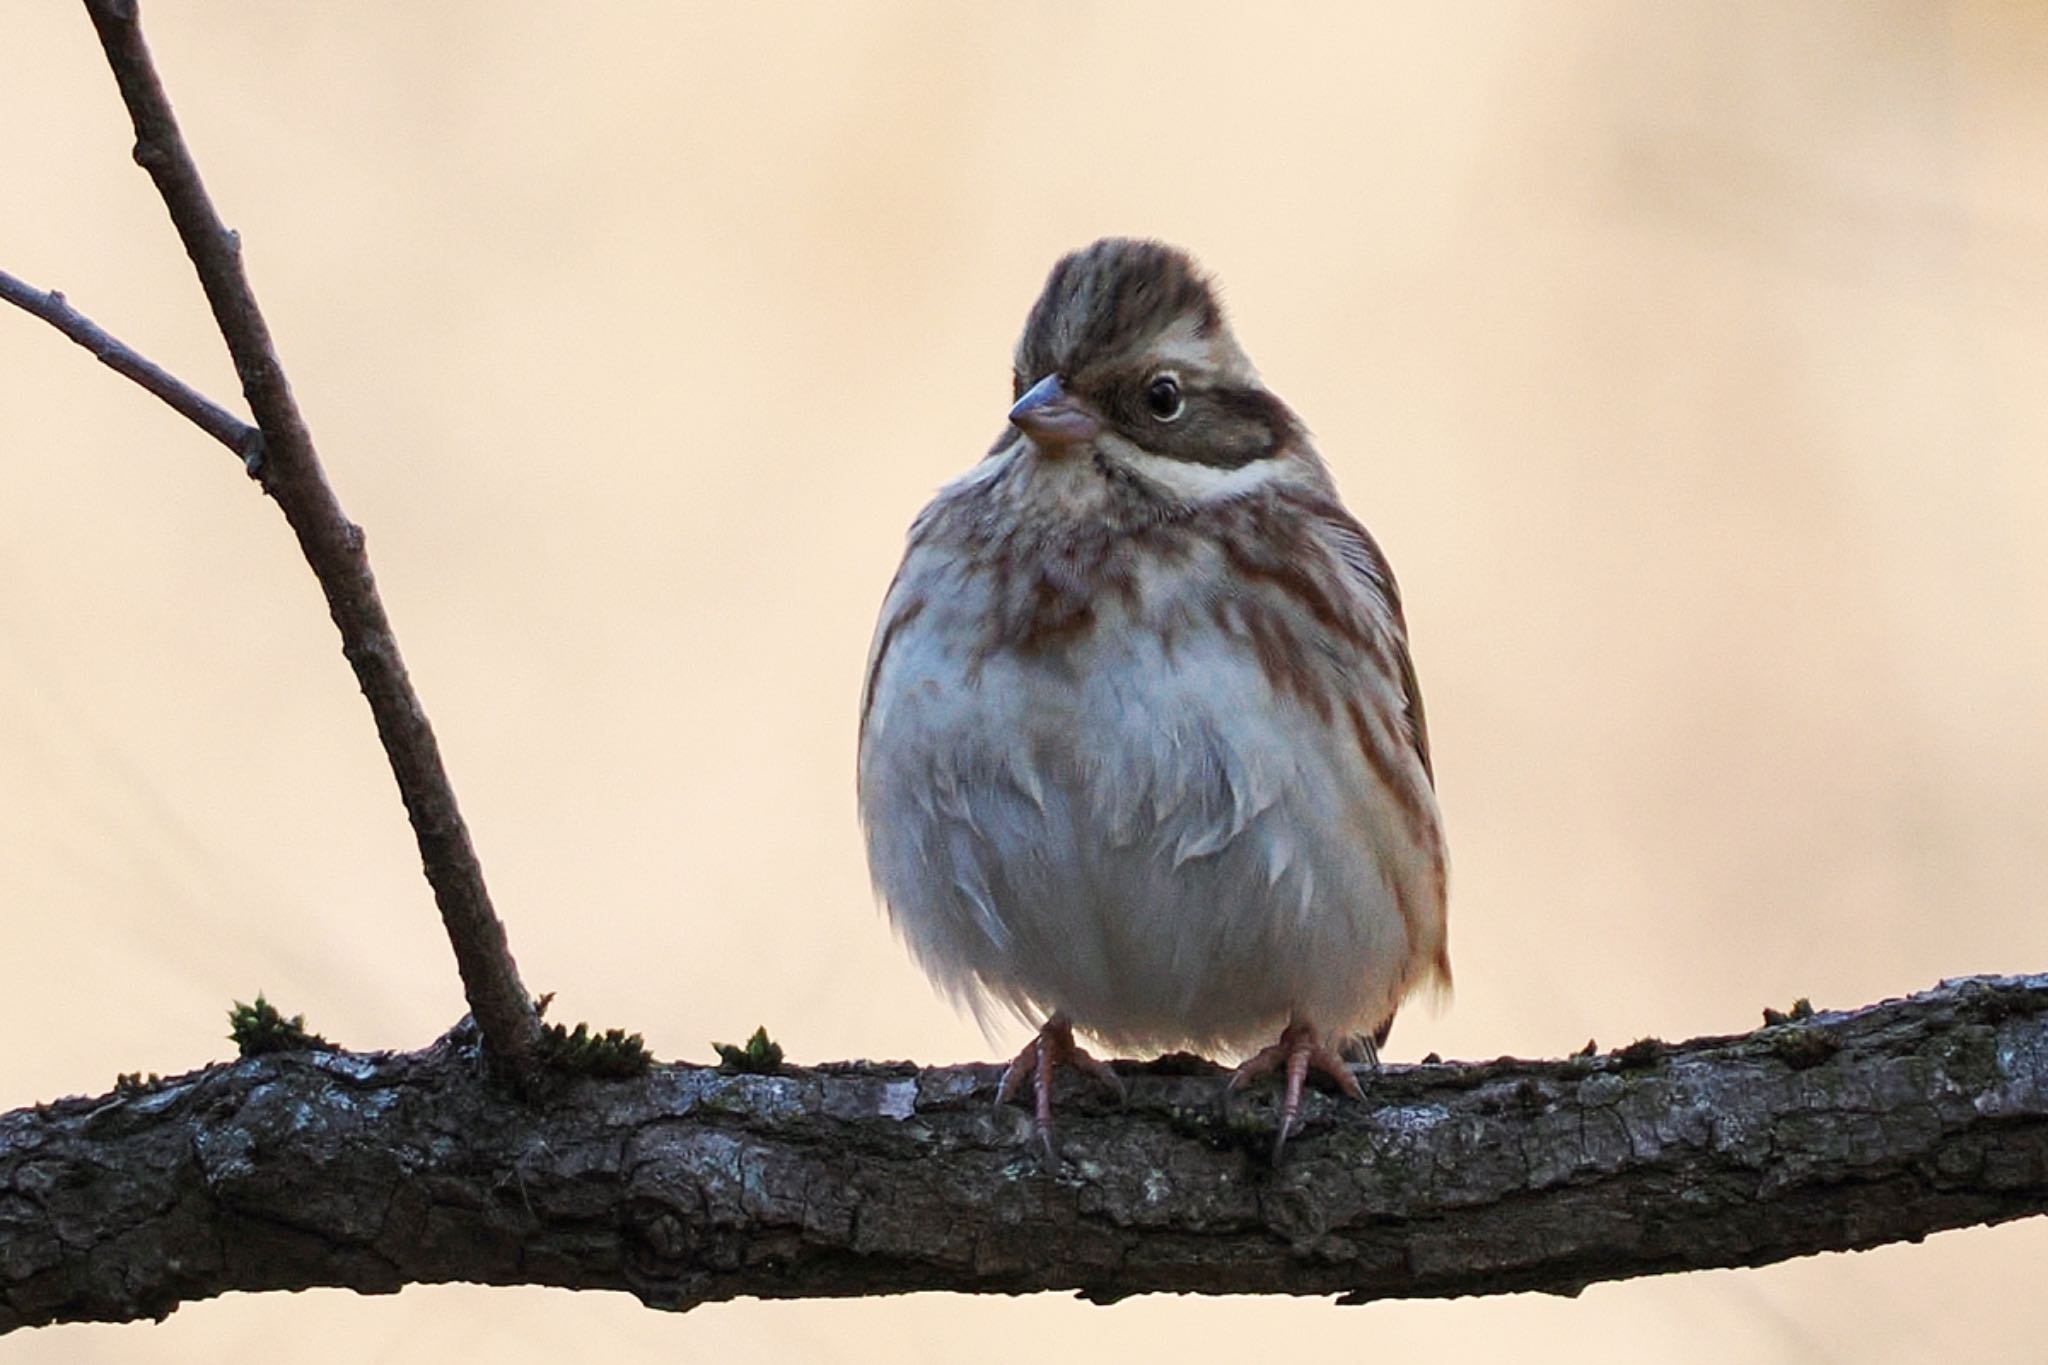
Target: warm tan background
(1690, 361)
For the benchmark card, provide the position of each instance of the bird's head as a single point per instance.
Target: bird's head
(1127, 349)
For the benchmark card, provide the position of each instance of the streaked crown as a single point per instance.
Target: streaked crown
(1107, 301)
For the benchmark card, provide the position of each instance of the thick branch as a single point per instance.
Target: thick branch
(290, 472)
(687, 1185)
(209, 416)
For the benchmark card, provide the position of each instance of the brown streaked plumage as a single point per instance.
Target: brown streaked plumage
(1142, 752)
(1097, 298)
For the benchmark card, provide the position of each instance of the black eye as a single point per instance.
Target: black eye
(1162, 396)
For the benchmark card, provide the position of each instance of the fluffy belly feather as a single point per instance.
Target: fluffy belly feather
(1148, 840)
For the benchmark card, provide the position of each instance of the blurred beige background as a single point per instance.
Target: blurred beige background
(1691, 361)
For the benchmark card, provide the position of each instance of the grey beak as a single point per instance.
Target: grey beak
(1053, 418)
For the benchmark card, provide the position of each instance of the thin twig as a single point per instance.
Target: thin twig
(290, 472)
(210, 417)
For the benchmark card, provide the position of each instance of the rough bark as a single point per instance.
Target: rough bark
(687, 1185)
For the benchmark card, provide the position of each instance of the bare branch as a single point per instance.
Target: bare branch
(290, 472)
(686, 1186)
(210, 417)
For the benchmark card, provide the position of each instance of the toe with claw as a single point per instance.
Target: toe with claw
(1054, 1046)
(1299, 1051)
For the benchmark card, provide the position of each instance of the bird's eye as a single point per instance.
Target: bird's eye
(1162, 396)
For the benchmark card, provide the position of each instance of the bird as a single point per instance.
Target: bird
(1141, 749)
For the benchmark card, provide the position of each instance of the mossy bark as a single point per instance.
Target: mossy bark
(685, 1185)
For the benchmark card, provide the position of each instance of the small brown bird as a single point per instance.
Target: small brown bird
(1141, 748)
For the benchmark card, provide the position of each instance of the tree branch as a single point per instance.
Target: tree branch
(290, 472)
(687, 1185)
(210, 417)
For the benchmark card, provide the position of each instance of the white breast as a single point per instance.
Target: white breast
(1142, 837)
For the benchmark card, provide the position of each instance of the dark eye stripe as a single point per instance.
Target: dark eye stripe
(1225, 428)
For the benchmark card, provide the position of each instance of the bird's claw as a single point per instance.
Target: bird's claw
(1053, 1046)
(1298, 1052)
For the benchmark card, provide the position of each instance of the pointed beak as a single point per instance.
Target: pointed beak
(1053, 418)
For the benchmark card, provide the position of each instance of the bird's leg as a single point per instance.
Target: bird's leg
(1053, 1045)
(1298, 1051)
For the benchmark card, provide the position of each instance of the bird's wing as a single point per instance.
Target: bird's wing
(1361, 555)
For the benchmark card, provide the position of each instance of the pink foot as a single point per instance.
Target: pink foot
(1053, 1046)
(1298, 1050)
